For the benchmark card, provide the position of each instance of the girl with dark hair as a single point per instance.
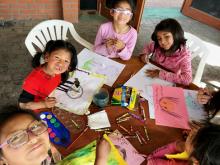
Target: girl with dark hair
(59, 58)
(168, 49)
(202, 147)
(24, 140)
(211, 102)
(117, 39)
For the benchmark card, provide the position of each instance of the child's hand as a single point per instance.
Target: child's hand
(144, 58)
(203, 96)
(103, 149)
(50, 102)
(152, 73)
(119, 44)
(109, 42)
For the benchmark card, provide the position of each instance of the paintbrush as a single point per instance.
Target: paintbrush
(77, 138)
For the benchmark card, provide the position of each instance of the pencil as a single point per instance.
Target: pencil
(146, 133)
(76, 125)
(141, 137)
(138, 137)
(124, 129)
(145, 128)
(144, 115)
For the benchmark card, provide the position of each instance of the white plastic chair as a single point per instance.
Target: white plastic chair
(52, 30)
(198, 48)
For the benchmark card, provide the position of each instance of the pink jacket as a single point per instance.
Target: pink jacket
(158, 158)
(106, 31)
(179, 63)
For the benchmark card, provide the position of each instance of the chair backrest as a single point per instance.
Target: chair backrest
(197, 47)
(52, 30)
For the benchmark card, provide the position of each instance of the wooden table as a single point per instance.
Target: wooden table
(159, 135)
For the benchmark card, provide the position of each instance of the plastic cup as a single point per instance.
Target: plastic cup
(101, 98)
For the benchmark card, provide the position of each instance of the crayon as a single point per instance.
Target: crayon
(136, 117)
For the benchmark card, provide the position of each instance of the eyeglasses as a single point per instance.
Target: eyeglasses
(123, 11)
(21, 137)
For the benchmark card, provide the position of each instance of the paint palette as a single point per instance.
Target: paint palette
(58, 133)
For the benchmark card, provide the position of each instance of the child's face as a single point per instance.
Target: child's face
(58, 61)
(122, 13)
(34, 151)
(165, 39)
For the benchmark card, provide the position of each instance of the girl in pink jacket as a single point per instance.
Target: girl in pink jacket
(168, 49)
(117, 39)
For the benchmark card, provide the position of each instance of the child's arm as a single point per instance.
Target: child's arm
(183, 76)
(147, 50)
(48, 103)
(125, 53)
(26, 101)
(103, 149)
(100, 46)
(158, 156)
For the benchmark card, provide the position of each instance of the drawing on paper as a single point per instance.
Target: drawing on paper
(195, 110)
(169, 105)
(96, 63)
(100, 68)
(191, 102)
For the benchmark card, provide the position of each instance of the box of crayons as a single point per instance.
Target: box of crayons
(125, 96)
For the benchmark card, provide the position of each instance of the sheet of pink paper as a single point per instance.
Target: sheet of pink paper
(128, 152)
(170, 107)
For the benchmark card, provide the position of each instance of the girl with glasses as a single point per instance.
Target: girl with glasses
(117, 39)
(23, 138)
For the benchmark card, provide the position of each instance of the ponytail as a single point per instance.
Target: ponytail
(53, 46)
(36, 60)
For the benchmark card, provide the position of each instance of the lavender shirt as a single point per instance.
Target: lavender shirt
(105, 32)
(179, 63)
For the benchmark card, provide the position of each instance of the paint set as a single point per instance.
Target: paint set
(58, 133)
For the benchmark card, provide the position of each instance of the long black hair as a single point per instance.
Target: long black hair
(206, 145)
(172, 26)
(213, 106)
(53, 46)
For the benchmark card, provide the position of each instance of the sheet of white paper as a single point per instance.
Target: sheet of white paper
(90, 84)
(98, 120)
(148, 95)
(195, 110)
(140, 80)
(143, 84)
(96, 63)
